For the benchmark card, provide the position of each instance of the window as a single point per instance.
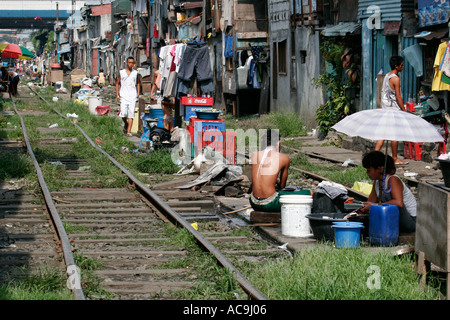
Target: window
(282, 67)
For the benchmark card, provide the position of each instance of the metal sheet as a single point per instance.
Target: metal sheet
(342, 29)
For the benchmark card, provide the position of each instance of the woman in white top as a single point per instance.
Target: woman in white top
(394, 190)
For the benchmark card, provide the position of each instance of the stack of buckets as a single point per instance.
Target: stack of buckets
(294, 209)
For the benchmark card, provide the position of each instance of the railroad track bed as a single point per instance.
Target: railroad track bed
(126, 245)
(119, 240)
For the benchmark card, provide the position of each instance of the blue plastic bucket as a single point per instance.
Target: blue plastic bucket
(347, 234)
(383, 225)
(159, 114)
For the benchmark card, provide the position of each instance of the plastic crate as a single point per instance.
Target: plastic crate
(416, 151)
(213, 139)
(193, 120)
(202, 126)
(221, 141)
(407, 150)
(197, 101)
(410, 107)
(190, 111)
(190, 130)
(442, 148)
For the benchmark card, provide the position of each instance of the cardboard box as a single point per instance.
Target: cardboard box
(56, 75)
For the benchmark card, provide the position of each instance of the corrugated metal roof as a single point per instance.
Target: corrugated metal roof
(342, 29)
(390, 10)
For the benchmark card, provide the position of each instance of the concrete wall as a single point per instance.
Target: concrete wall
(307, 98)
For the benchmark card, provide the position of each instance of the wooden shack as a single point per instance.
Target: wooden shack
(433, 226)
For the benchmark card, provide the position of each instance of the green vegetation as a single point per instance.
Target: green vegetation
(289, 124)
(343, 175)
(326, 273)
(45, 284)
(334, 82)
(215, 281)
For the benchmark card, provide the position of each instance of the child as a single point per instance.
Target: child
(101, 79)
(394, 190)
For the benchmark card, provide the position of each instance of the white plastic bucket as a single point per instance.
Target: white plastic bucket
(294, 209)
(94, 102)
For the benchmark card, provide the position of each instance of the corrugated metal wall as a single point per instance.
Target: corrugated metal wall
(390, 10)
(382, 47)
(409, 81)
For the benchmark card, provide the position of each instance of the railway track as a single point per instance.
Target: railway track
(115, 232)
(119, 237)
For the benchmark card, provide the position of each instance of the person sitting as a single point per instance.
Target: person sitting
(11, 79)
(394, 192)
(269, 174)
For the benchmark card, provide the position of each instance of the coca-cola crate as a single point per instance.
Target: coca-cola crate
(197, 101)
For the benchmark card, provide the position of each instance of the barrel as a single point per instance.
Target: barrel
(383, 225)
(157, 114)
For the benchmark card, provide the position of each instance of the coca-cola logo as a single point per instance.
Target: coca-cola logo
(200, 100)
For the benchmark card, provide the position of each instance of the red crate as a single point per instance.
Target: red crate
(410, 106)
(442, 148)
(230, 147)
(213, 139)
(407, 150)
(416, 151)
(197, 101)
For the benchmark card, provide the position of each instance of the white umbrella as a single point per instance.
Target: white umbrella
(388, 124)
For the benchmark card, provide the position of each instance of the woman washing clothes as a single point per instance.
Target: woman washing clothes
(394, 191)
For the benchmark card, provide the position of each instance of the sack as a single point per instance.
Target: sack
(159, 134)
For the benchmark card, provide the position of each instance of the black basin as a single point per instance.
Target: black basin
(321, 223)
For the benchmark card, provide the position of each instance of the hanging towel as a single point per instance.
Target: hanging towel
(228, 46)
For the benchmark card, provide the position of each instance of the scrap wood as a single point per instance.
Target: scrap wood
(261, 225)
(245, 208)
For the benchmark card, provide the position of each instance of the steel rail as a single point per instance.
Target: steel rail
(72, 269)
(162, 206)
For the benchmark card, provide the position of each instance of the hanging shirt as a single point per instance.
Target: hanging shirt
(438, 85)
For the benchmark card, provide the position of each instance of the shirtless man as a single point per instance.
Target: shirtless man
(269, 174)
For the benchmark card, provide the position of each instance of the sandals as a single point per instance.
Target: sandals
(129, 135)
(401, 163)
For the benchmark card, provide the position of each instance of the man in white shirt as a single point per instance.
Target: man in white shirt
(127, 90)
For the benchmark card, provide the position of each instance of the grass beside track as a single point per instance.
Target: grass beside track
(327, 273)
